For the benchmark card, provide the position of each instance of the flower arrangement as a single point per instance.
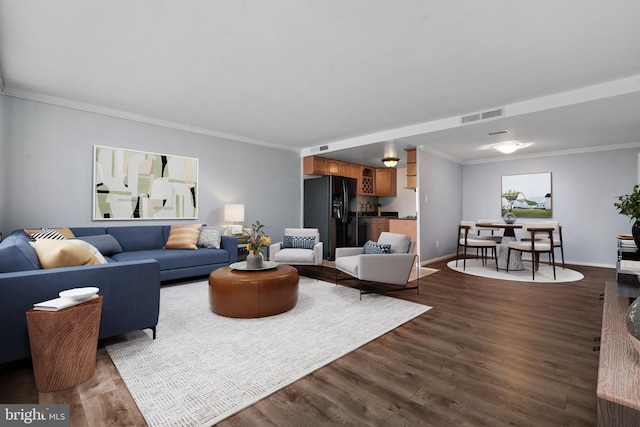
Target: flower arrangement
(256, 237)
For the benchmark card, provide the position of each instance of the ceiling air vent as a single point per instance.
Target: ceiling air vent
(324, 147)
(481, 116)
(470, 118)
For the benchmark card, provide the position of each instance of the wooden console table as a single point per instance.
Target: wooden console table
(64, 344)
(619, 368)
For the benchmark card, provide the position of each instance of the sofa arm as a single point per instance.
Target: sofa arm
(130, 290)
(230, 244)
(318, 253)
(274, 248)
(386, 268)
(340, 252)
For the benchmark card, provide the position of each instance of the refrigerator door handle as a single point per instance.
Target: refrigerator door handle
(345, 201)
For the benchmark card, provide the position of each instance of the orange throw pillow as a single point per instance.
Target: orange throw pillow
(183, 237)
(62, 253)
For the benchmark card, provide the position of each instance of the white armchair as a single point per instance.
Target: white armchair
(392, 268)
(300, 246)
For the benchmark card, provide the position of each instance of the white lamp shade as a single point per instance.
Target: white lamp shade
(234, 213)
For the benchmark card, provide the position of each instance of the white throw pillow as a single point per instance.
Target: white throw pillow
(209, 238)
(399, 242)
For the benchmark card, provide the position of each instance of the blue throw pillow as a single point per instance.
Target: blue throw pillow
(105, 243)
(300, 242)
(376, 248)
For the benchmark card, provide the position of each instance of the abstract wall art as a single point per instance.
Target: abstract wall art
(130, 184)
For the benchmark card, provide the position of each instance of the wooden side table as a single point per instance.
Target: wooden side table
(618, 392)
(64, 344)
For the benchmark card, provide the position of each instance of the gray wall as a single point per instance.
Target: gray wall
(584, 188)
(47, 153)
(439, 205)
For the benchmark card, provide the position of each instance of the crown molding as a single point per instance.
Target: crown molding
(104, 111)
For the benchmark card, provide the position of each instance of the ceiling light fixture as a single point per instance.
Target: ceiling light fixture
(390, 162)
(508, 147)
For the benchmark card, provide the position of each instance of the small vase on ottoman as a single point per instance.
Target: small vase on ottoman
(254, 260)
(255, 240)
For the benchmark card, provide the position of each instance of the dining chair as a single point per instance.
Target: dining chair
(536, 239)
(485, 225)
(557, 235)
(467, 229)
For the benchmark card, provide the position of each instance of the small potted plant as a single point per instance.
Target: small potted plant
(629, 205)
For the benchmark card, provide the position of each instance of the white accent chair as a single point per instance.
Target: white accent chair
(467, 229)
(536, 239)
(278, 252)
(392, 268)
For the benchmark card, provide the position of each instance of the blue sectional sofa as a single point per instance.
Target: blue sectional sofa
(129, 282)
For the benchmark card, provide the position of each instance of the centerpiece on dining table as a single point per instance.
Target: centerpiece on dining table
(256, 239)
(511, 196)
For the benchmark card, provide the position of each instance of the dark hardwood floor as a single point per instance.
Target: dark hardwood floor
(490, 353)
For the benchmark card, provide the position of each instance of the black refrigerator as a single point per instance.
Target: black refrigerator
(330, 205)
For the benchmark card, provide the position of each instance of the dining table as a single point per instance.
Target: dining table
(509, 235)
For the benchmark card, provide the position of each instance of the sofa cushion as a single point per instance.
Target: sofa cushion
(294, 256)
(138, 238)
(62, 253)
(105, 243)
(209, 238)
(372, 247)
(183, 236)
(177, 259)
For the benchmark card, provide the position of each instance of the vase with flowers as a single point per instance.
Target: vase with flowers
(629, 205)
(256, 239)
(510, 196)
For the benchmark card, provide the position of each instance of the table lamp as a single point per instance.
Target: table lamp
(234, 214)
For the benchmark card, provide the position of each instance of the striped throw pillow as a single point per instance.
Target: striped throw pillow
(47, 233)
(183, 237)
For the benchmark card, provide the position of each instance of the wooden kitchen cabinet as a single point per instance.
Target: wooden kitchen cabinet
(334, 166)
(378, 225)
(314, 165)
(366, 181)
(371, 181)
(405, 226)
(385, 182)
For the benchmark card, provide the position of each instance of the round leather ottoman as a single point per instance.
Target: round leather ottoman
(246, 294)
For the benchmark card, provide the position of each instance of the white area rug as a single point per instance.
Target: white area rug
(203, 367)
(545, 273)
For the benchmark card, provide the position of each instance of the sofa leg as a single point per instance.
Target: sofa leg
(154, 332)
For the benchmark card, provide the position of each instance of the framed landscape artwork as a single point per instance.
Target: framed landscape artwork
(130, 184)
(528, 195)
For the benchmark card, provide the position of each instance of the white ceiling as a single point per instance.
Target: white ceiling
(341, 73)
